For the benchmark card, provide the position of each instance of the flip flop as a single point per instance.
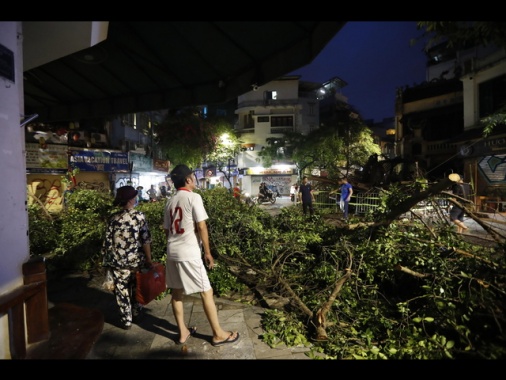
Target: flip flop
(228, 340)
(193, 330)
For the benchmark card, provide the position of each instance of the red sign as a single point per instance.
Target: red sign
(161, 165)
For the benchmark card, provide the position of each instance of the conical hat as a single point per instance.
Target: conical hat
(454, 177)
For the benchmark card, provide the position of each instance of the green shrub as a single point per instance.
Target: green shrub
(43, 230)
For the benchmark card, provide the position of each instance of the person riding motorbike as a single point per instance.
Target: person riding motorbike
(264, 192)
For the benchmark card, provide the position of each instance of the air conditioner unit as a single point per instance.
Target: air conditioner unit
(99, 140)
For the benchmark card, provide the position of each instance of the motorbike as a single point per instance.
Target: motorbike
(294, 192)
(266, 199)
(247, 199)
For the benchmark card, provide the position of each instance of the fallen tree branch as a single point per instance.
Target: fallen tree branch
(409, 271)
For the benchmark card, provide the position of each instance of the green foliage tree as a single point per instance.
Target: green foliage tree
(408, 291)
(332, 147)
(227, 148)
(463, 34)
(72, 239)
(377, 288)
(185, 136)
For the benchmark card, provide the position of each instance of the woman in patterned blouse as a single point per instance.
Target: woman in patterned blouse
(126, 249)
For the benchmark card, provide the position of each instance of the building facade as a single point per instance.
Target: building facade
(438, 124)
(268, 112)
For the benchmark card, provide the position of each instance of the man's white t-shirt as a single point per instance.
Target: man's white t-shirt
(182, 213)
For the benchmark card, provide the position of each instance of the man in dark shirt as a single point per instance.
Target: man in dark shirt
(306, 196)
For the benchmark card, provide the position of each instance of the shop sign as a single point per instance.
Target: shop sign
(99, 161)
(52, 159)
(262, 171)
(493, 168)
(141, 162)
(491, 145)
(161, 165)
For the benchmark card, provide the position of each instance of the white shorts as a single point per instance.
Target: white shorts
(191, 276)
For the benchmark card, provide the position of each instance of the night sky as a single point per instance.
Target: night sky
(374, 58)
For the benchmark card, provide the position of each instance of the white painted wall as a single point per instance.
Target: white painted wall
(45, 41)
(486, 68)
(14, 217)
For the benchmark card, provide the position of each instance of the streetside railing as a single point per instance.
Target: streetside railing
(365, 202)
(360, 203)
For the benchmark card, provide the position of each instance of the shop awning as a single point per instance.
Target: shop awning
(153, 65)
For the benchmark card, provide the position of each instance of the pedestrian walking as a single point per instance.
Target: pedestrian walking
(185, 226)
(456, 212)
(126, 249)
(346, 193)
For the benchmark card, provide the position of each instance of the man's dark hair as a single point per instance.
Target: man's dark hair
(179, 174)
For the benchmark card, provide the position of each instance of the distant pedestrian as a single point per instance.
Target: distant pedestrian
(185, 226)
(456, 212)
(237, 192)
(140, 196)
(306, 196)
(67, 193)
(152, 193)
(126, 249)
(346, 193)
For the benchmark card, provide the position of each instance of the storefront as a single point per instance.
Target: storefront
(281, 178)
(485, 168)
(47, 170)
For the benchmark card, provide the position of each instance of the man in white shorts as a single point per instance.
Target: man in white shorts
(185, 226)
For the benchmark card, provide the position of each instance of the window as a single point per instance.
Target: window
(492, 95)
(311, 109)
(263, 119)
(249, 122)
(282, 121)
(271, 95)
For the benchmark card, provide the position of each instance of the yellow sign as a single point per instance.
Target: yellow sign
(263, 171)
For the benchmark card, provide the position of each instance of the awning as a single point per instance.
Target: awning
(145, 66)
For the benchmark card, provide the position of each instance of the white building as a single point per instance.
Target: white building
(269, 111)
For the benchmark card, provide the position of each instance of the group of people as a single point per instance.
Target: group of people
(127, 249)
(306, 196)
(152, 193)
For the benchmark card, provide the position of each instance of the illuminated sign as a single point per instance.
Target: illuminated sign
(53, 158)
(161, 165)
(263, 171)
(99, 161)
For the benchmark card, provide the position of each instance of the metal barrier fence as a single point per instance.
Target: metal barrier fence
(322, 200)
(363, 203)
(366, 202)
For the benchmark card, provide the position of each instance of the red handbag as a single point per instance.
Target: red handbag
(150, 283)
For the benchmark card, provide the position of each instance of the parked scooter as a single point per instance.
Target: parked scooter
(247, 199)
(294, 192)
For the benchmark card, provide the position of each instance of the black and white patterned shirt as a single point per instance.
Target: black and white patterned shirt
(127, 231)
